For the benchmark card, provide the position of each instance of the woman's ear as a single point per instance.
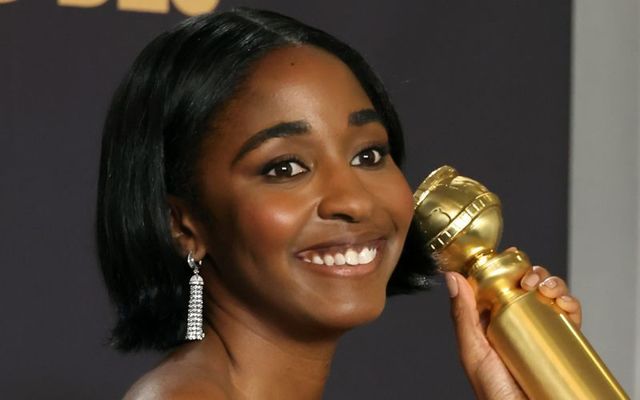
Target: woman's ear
(186, 230)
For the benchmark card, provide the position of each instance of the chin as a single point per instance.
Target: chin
(347, 315)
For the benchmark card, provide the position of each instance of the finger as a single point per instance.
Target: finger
(530, 280)
(533, 277)
(553, 287)
(472, 343)
(542, 271)
(572, 307)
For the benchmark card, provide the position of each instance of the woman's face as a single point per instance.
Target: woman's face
(308, 212)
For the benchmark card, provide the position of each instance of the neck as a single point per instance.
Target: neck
(265, 365)
(261, 362)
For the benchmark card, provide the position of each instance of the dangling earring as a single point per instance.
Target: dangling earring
(194, 315)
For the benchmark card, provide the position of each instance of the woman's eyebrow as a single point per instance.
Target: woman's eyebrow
(282, 129)
(292, 128)
(364, 116)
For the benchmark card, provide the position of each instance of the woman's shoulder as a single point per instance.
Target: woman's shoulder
(170, 381)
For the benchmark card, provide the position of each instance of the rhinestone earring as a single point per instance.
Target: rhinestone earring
(194, 315)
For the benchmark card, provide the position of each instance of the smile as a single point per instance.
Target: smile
(348, 255)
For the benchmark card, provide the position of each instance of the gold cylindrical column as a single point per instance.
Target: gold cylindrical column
(461, 224)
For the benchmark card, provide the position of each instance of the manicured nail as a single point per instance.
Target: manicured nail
(550, 283)
(452, 284)
(536, 268)
(566, 298)
(531, 280)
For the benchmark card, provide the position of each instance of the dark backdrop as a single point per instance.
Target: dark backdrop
(483, 86)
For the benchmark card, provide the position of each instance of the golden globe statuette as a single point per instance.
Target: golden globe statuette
(461, 224)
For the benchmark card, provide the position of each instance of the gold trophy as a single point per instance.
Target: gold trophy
(461, 224)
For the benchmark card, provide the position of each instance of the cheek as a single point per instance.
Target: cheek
(399, 201)
(256, 243)
(271, 224)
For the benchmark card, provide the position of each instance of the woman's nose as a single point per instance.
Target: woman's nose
(346, 197)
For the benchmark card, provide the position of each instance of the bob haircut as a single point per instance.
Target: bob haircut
(156, 123)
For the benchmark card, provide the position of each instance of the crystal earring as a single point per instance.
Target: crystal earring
(194, 315)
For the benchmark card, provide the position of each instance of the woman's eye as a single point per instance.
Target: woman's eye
(285, 169)
(368, 157)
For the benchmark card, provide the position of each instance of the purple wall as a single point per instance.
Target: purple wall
(483, 86)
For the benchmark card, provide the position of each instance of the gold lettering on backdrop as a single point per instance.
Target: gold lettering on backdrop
(191, 7)
(81, 3)
(152, 6)
(187, 7)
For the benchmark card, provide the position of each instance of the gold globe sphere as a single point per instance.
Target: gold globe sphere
(459, 218)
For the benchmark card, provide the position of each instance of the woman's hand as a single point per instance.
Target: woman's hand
(488, 374)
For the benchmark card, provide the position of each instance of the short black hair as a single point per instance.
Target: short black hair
(156, 123)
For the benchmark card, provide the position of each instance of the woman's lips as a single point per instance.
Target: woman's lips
(344, 259)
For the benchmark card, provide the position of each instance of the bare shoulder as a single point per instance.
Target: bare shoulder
(174, 382)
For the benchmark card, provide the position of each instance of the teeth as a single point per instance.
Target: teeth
(352, 257)
(366, 256)
(349, 257)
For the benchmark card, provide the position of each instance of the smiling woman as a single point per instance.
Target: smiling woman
(262, 155)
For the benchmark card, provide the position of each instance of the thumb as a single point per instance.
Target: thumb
(472, 343)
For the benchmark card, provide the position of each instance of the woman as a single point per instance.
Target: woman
(264, 155)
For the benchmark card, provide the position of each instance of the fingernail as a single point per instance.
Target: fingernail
(566, 298)
(452, 284)
(550, 283)
(531, 280)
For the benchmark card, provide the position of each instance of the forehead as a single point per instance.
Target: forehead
(293, 83)
(298, 66)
